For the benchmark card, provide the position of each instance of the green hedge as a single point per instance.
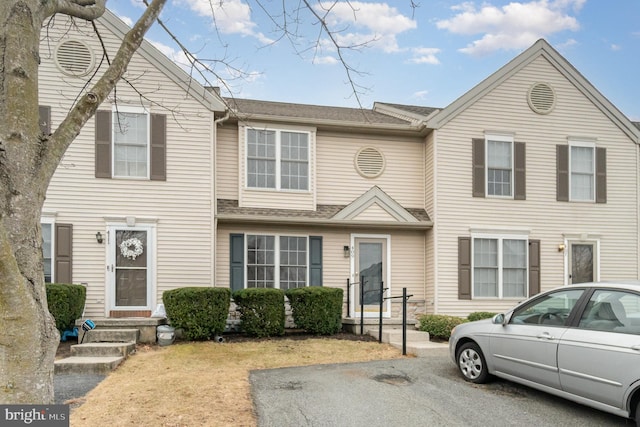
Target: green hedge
(261, 311)
(439, 326)
(201, 313)
(66, 303)
(479, 315)
(317, 310)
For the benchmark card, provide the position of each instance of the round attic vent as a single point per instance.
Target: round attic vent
(74, 58)
(370, 162)
(542, 98)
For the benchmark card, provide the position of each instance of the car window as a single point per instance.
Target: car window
(614, 311)
(551, 309)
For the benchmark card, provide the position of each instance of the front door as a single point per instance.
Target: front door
(129, 268)
(582, 262)
(370, 275)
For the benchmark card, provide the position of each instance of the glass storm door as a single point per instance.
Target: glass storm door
(582, 262)
(370, 274)
(129, 268)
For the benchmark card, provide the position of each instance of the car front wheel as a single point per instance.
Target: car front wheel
(472, 364)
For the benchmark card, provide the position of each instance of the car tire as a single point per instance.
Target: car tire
(471, 363)
(637, 414)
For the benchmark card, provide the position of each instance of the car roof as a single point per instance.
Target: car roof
(620, 284)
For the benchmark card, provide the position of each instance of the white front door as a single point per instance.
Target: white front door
(130, 253)
(370, 274)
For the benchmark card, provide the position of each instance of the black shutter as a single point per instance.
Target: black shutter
(520, 175)
(158, 147)
(464, 267)
(236, 262)
(601, 175)
(478, 172)
(534, 267)
(562, 173)
(63, 253)
(44, 119)
(103, 144)
(315, 260)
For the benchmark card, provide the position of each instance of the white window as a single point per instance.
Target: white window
(130, 142)
(582, 176)
(500, 266)
(276, 261)
(47, 251)
(277, 159)
(499, 166)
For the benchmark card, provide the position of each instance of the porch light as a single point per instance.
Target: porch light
(347, 251)
(99, 237)
(561, 247)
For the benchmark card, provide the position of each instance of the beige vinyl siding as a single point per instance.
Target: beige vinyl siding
(181, 205)
(340, 183)
(226, 170)
(375, 213)
(540, 215)
(407, 256)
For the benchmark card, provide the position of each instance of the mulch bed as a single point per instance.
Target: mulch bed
(64, 348)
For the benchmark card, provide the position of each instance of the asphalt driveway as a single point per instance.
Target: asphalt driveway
(411, 392)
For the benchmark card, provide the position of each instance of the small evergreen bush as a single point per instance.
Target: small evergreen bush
(66, 303)
(317, 310)
(200, 312)
(438, 325)
(479, 315)
(261, 311)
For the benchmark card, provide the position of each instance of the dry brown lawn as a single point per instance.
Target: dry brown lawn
(205, 384)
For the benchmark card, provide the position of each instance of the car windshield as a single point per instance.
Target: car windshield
(550, 309)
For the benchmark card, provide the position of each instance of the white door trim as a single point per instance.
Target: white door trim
(387, 274)
(111, 248)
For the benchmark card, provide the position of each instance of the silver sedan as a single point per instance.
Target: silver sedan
(579, 342)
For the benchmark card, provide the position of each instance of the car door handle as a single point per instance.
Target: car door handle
(635, 347)
(545, 336)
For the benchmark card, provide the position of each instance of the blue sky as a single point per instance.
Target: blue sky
(428, 55)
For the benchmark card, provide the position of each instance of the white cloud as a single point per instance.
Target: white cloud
(330, 60)
(126, 20)
(425, 55)
(513, 26)
(420, 95)
(616, 47)
(229, 17)
(373, 24)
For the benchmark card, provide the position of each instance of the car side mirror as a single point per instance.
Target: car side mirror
(500, 319)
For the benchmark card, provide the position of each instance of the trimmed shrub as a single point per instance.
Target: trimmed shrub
(479, 315)
(439, 326)
(261, 311)
(66, 303)
(317, 310)
(201, 313)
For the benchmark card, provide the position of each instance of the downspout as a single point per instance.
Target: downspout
(214, 193)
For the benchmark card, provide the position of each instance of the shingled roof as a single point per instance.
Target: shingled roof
(248, 108)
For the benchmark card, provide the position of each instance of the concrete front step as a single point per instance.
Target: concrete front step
(87, 365)
(111, 335)
(417, 344)
(101, 349)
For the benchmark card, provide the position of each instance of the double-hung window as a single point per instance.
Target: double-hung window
(277, 261)
(47, 251)
(500, 266)
(499, 166)
(582, 176)
(277, 159)
(130, 142)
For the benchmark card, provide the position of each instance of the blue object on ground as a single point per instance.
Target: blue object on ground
(69, 333)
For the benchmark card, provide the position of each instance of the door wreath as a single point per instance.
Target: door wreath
(131, 248)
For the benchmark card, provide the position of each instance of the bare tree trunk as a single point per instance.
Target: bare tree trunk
(28, 159)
